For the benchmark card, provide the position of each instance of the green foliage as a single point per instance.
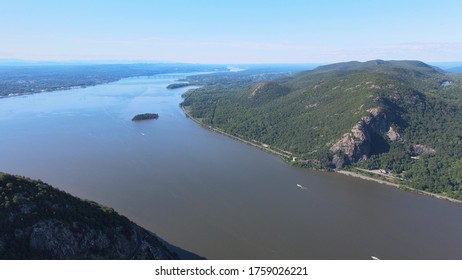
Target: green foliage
(25, 202)
(177, 85)
(145, 116)
(306, 113)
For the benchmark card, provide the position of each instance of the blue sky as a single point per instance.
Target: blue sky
(234, 31)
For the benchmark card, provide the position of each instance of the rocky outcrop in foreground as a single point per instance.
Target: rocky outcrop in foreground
(38, 221)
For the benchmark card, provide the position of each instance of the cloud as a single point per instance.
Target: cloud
(232, 51)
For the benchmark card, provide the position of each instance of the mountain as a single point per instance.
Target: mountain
(455, 69)
(38, 221)
(401, 116)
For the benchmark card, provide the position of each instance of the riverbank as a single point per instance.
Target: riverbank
(399, 186)
(283, 154)
(287, 156)
(364, 177)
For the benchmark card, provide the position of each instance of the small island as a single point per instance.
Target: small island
(145, 116)
(178, 85)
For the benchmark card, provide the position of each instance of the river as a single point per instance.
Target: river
(205, 192)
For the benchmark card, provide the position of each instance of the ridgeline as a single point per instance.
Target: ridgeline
(402, 118)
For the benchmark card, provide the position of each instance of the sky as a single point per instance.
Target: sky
(231, 31)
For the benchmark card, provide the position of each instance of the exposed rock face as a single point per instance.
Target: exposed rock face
(271, 89)
(55, 239)
(338, 161)
(40, 222)
(357, 144)
(423, 150)
(352, 145)
(393, 135)
(313, 105)
(261, 87)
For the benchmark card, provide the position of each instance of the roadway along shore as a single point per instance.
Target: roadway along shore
(403, 187)
(287, 155)
(283, 154)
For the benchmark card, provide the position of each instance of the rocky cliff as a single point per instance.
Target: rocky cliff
(401, 116)
(38, 221)
(367, 136)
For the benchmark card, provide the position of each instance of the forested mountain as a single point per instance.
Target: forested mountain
(38, 221)
(401, 116)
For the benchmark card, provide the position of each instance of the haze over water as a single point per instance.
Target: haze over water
(206, 193)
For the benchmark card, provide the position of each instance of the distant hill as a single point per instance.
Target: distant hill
(401, 116)
(455, 69)
(20, 79)
(38, 221)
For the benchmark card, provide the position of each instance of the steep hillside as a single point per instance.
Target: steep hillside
(401, 116)
(38, 221)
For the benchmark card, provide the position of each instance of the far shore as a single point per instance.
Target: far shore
(287, 155)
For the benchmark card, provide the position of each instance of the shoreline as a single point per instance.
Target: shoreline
(401, 187)
(286, 155)
(364, 177)
(282, 154)
(65, 88)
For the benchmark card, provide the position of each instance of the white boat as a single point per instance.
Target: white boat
(375, 258)
(301, 187)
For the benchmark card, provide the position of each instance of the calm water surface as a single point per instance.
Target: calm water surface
(207, 193)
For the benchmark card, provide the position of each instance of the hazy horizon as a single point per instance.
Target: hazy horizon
(231, 32)
(445, 65)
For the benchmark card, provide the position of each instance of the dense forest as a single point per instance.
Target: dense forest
(403, 117)
(145, 116)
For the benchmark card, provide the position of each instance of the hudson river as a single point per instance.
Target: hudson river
(207, 193)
